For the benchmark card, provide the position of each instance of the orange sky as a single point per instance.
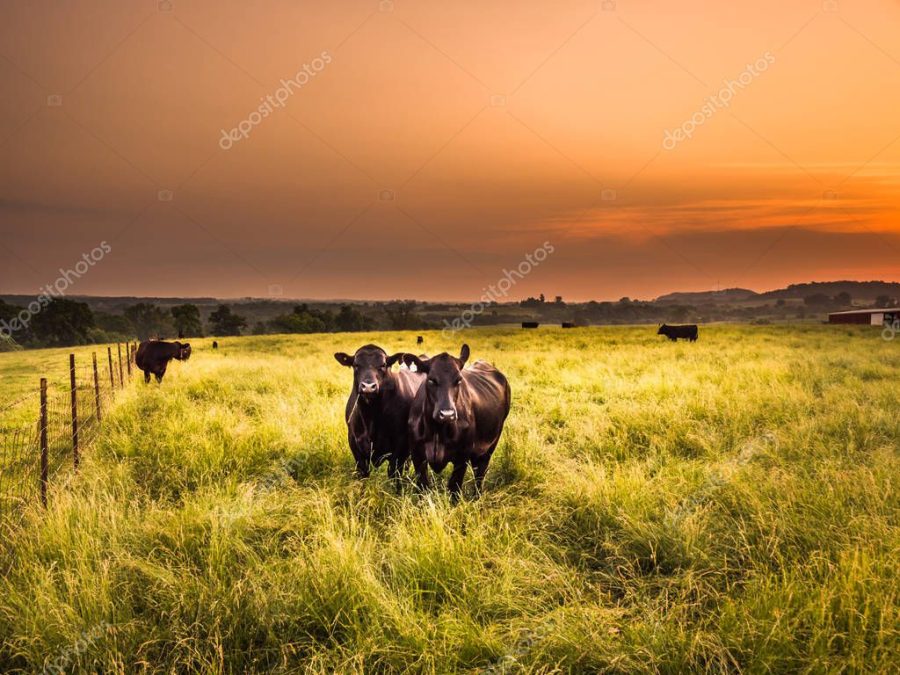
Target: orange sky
(492, 127)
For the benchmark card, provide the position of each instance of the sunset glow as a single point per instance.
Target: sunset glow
(438, 143)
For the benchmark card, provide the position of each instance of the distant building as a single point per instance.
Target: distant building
(867, 317)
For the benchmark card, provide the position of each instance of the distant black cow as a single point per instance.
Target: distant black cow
(215, 344)
(457, 417)
(377, 411)
(674, 333)
(568, 324)
(420, 340)
(530, 324)
(153, 356)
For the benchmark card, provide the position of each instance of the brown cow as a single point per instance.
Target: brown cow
(153, 357)
(457, 417)
(377, 411)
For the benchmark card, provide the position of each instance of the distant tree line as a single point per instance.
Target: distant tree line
(65, 322)
(347, 319)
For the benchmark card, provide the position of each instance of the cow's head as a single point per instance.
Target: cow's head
(662, 329)
(444, 388)
(184, 351)
(370, 365)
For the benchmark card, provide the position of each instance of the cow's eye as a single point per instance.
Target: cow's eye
(432, 382)
(458, 382)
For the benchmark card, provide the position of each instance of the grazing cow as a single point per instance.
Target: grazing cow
(215, 344)
(568, 324)
(457, 417)
(420, 340)
(377, 411)
(530, 324)
(685, 332)
(153, 356)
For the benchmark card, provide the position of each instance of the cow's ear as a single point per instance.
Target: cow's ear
(464, 354)
(344, 359)
(422, 365)
(393, 358)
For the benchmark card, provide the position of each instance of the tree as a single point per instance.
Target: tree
(114, 323)
(885, 301)
(402, 316)
(10, 324)
(148, 320)
(187, 320)
(303, 320)
(225, 322)
(843, 299)
(62, 323)
(298, 322)
(350, 319)
(816, 300)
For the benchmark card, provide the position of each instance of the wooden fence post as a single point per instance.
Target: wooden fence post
(44, 450)
(112, 377)
(97, 389)
(128, 358)
(121, 374)
(73, 387)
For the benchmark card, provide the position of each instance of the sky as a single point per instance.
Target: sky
(376, 150)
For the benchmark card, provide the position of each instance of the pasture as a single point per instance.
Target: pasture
(729, 504)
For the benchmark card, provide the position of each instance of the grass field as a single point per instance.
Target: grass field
(652, 507)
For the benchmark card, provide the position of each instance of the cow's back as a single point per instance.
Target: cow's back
(490, 397)
(152, 353)
(408, 384)
(140, 357)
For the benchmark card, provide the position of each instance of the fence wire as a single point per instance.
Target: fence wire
(38, 438)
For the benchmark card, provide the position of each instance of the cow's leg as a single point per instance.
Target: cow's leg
(456, 480)
(397, 469)
(479, 468)
(146, 377)
(362, 459)
(420, 464)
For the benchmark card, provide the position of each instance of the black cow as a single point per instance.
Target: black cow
(377, 411)
(215, 344)
(685, 332)
(457, 417)
(153, 356)
(420, 340)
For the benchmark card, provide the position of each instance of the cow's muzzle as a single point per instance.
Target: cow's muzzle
(368, 388)
(445, 414)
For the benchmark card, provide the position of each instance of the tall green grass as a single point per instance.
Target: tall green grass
(729, 505)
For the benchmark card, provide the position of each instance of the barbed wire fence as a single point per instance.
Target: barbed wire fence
(45, 432)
